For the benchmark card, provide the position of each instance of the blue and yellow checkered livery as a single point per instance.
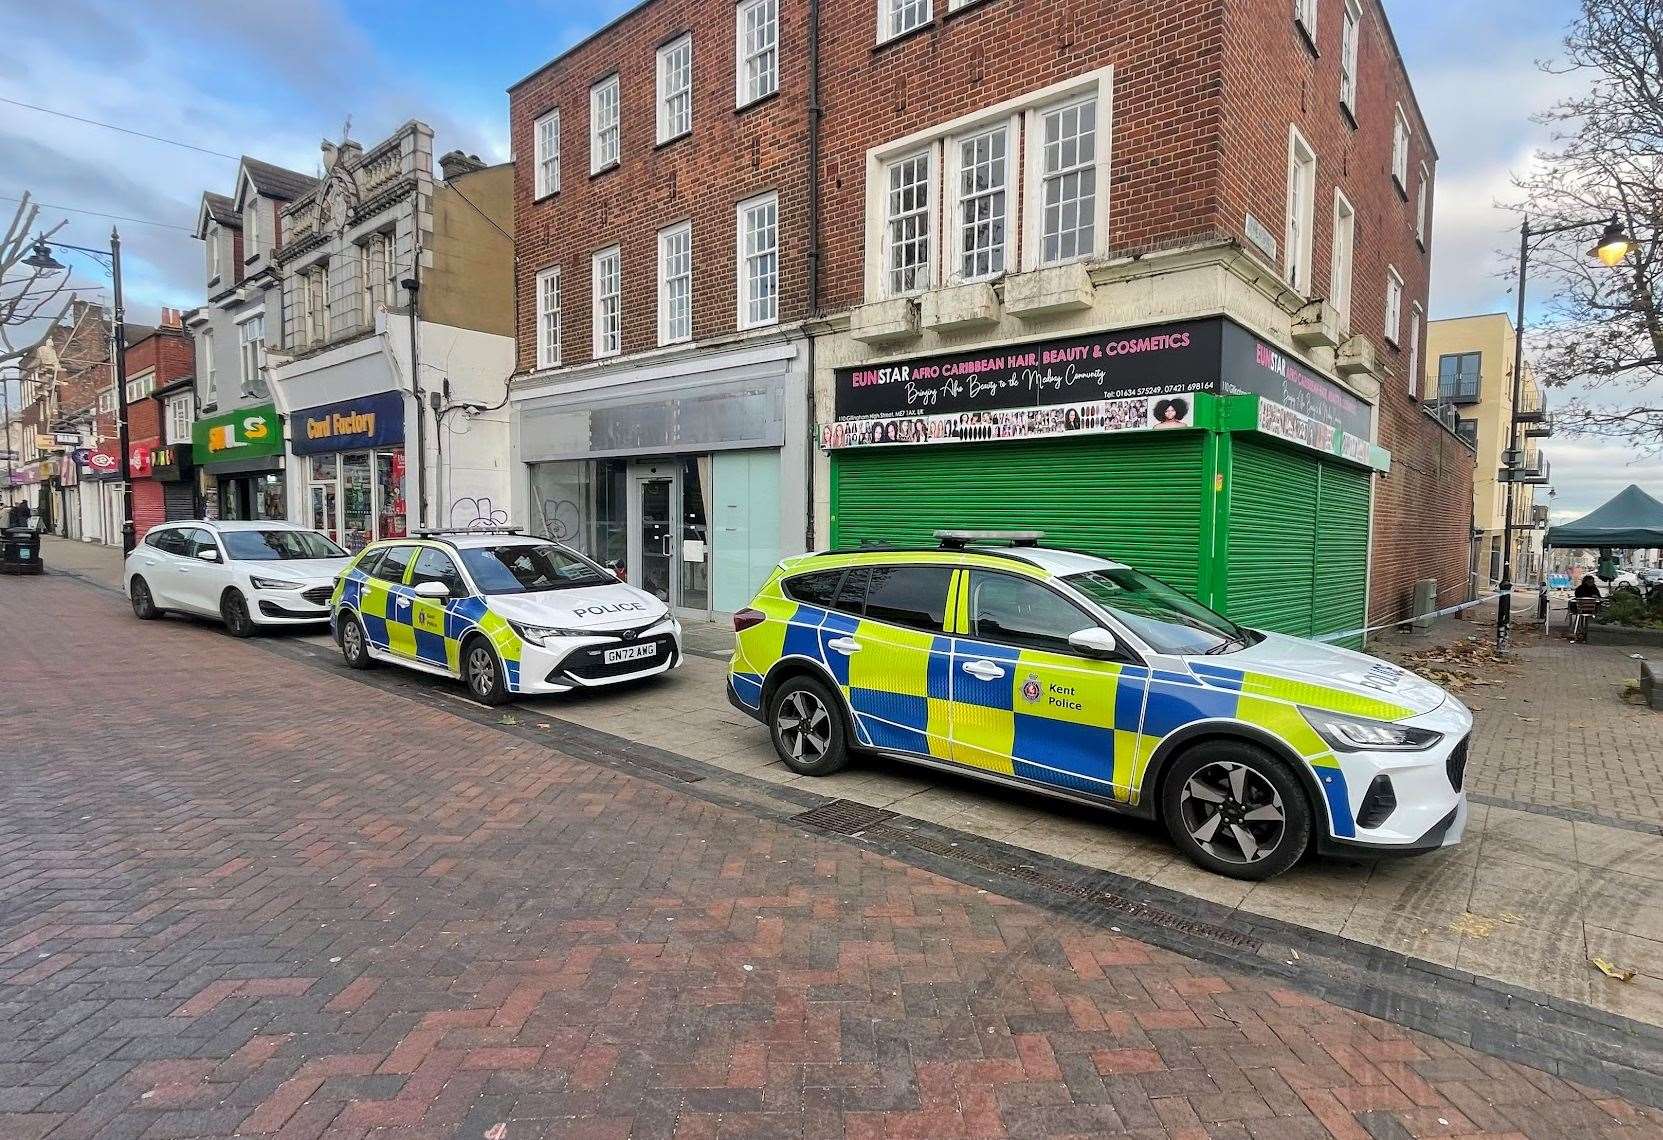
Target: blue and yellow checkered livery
(1048, 718)
(428, 631)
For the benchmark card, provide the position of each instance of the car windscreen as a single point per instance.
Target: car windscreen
(528, 568)
(278, 545)
(1163, 617)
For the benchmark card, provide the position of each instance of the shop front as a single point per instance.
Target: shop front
(689, 479)
(1194, 450)
(350, 458)
(240, 464)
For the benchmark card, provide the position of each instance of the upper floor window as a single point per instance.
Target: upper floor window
(898, 17)
(1069, 182)
(251, 229)
(1400, 149)
(1420, 204)
(1305, 15)
(548, 318)
(1417, 382)
(983, 175)
(608, 289)
(1468, 430)
(907, 224)
(546, 134)
(675, 284)
(675, 89)
(1351, 26)
(1302, 183)
(213, 252)
(757, 36)
(140, 386)
(1344, 251)
(1394, 306)
(106, 401)
(251, 344)
(1459, 374)
(314, 284)
(759, 261)
(603, 124)
(205, 367)
(179, 418)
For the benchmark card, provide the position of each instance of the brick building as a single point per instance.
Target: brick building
(661, 408)
(161, 404)
(1053, 224)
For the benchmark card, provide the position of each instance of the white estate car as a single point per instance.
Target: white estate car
(503, 611)
(247, 574)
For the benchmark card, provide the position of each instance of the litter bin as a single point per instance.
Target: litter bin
(20, 551)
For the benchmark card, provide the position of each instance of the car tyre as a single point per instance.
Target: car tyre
(1234, 809)
(483, 673)
(805, 720)
(144, 605)
(233, 611)
(355, 644)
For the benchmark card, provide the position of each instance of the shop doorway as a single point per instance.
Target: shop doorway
(669, 543)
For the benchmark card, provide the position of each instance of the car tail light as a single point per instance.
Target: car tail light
(746, 618)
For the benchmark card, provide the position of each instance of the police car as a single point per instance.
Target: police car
(505, 612)
(1076, 676)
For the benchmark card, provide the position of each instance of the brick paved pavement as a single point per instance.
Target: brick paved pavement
(243, 896)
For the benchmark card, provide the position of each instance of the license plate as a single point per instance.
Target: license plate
(629, 653)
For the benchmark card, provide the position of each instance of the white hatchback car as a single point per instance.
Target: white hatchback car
(247, 574)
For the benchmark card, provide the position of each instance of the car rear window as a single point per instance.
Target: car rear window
(817, 589)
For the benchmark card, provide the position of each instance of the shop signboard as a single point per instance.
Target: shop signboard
(103, 461)
(1295, 427)
(138, 460)
(1252, 366)
(171, 463)
(350, 425)
(247, 433)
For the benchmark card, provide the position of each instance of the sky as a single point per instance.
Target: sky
(236, 77)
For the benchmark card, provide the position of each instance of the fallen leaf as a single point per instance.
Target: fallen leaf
(506, 719)
(1611, 970)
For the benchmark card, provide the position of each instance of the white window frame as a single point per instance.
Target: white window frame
(1342, 262)
(1305, 15)
(214, 255)
(1420, 204)
(545, 135)
(548, 317)
(891, 11)
(140, 386)
(1299, 213)
(1033, 255)
(672, 124)
(251, 229)
(600, 157)
(929, 215)
(667, 317)
(210, 376)
(952, 181)
(768, 80)
(606, 323)
(743, 258)
(955, 5)
(1351, 34)
(1417, 382)
(1400, 149)
(1394, 306)
(179, 416)
(250, 371)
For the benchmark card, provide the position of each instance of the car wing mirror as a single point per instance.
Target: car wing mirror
(432, 590)
(208, 555)
(1095, 641)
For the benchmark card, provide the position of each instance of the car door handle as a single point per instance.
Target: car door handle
(843, 645)
(403, 601)
(983, 670)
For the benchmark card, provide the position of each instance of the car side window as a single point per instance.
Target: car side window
(154, 538)
(198, 540)
(394, 562)
(171, 541)
(851, 595)
(1016, 611)
(911, 596)
(817, 589)
(437, 566)
(369, 562)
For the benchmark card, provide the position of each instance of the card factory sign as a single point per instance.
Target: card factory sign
(369, 421)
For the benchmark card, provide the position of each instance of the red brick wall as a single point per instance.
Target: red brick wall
(729, 157)
(169, 353)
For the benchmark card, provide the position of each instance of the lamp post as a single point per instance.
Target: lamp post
(1614, 245)
(41, 258)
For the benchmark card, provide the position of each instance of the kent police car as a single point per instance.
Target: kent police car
(1079, 677)
(506, 612)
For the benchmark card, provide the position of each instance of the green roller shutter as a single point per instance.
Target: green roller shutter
(1298, 540)
(1136, 498)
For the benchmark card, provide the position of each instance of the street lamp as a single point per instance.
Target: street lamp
(40, 257)
(1613, 246)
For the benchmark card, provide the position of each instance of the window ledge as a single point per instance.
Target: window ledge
(673, 139)
(1397, 184)
(902, 37)
(539, 198)
(607, 169)
(1420, 240)
(251, 259)
(1049, 290)
(741, 108)
(885, 322)
(1350, 115)
(1308, 37)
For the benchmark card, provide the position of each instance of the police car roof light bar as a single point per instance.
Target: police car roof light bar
(431, 532)
(959, 539)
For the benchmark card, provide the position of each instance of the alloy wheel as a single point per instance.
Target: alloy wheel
(480, 670)
(1233, 812)
(804, 726)
(141, 598)
(352, 641)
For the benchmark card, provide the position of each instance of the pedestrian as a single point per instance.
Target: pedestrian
(1588, 587)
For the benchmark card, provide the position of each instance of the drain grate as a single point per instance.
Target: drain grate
(845, 817)
(1082, 887)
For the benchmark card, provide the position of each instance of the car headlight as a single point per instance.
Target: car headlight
(1360, 734)
(542, 634)
(273, 583)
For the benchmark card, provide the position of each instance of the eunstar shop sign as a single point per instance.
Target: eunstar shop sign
(247, 433)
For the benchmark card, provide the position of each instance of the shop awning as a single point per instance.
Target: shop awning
(1631, 518)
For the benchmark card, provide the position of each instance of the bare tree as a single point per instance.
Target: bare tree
(28, 295)
(1603, 335)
